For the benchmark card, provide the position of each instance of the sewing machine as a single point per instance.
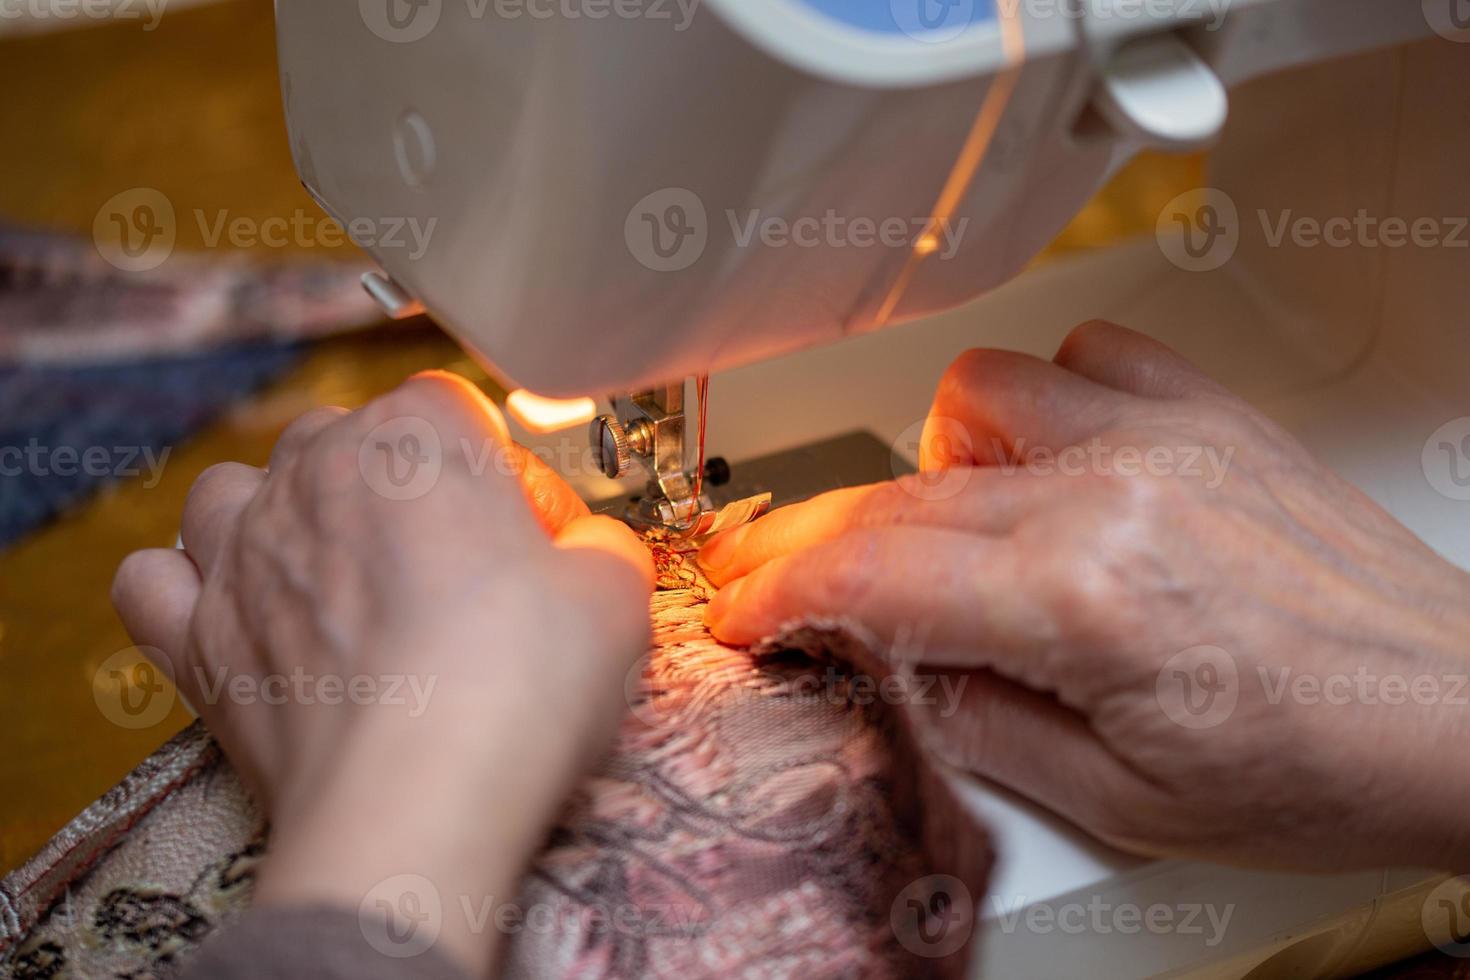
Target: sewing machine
(627, 200)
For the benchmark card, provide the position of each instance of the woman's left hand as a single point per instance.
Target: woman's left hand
(409, 636)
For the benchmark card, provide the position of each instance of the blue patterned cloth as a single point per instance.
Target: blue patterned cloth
(66, 432)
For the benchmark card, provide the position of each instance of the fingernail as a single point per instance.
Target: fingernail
(722, 604)
(715, 556)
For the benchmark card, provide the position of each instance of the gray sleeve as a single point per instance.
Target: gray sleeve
(308, 944)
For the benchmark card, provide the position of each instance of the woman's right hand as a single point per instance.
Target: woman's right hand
(1177, 628)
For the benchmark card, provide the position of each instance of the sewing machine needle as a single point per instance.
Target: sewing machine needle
(701, 391)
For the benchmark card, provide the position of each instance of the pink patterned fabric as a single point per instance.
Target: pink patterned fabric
(751, 821)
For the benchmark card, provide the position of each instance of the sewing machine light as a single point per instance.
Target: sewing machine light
(542, 415)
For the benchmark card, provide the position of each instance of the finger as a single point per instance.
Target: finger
(556, 504)
(1130, 361)
(949, 597)
(301, 431)
(154, 593)
(981, 500)
(992, 405)
(1024, 740)
(604, 535)
(213, 509)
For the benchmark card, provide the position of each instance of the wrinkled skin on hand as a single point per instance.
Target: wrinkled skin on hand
(1138, 613)
(487, 594)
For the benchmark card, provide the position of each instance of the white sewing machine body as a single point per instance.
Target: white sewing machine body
(635, 157)
(779, 108)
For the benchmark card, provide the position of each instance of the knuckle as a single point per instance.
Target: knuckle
(302, 423)
(332, 468)
(1238, 426)
(211, 476)
(131, 572)
(1091, 602)
(308, 429)
(1140, 498)
(432, 393)
(1085, 336)
(1215, 416)
(958, 397)
(203, 502)
(329, 461)
(890, 503)
(976, 367)
(968, 387)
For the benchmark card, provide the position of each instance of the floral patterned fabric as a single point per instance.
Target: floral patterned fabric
(751, 821)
